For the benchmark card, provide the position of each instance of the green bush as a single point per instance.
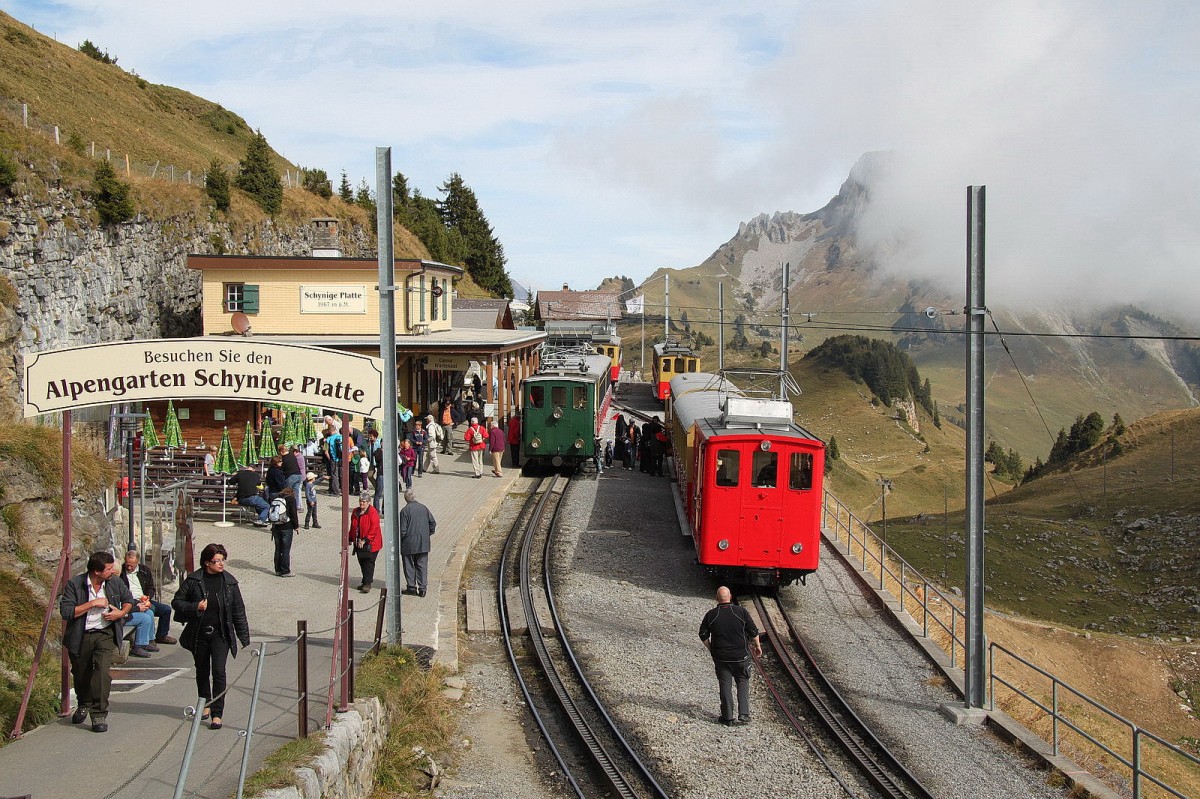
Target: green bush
(258, 177)
(111, 196)
(317, 182)
(216, 185)
(8, 172)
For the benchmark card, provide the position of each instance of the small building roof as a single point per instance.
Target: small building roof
(578, 304)
(482, 314)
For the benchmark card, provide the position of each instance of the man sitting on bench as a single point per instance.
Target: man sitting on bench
(141, 584)
(247, 494)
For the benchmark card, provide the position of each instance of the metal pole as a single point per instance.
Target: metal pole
(783, 344)
(261, 654)
(666, 307)
(720, 327)
(129, 491)
(302, 678)
(975, 313)
(388, 436)
(181, 780)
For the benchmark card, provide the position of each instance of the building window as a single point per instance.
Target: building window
(421, 298)
(433, 302)
(241, 297)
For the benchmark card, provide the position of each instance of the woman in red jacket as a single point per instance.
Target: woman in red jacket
(367, 539)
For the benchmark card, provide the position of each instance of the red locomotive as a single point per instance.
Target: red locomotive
(750, 480)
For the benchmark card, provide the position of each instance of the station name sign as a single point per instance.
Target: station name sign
(335, 299)
(208, 367)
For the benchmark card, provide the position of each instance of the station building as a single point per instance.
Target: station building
(331, 301)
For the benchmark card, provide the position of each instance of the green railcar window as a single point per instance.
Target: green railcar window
(537, 396)
(579, 402)
(558, 396)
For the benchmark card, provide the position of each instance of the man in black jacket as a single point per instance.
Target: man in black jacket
(730, 635)
(246, 481)
(94, 606)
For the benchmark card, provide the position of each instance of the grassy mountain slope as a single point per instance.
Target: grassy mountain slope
(92, 102)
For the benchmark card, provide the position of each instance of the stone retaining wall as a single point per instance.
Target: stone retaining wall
(346, 769)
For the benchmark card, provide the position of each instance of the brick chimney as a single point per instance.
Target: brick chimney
(325, 238)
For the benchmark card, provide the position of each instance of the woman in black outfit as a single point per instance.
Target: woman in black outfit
(210, 604)
(284, 530)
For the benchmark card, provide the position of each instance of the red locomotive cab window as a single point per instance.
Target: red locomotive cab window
(765, 468)
(800, 472)
(728, 462)
(537, 396)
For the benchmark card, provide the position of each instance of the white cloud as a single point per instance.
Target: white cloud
(617, 137)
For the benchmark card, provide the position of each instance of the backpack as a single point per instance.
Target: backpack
(476, 436)
(278, 512)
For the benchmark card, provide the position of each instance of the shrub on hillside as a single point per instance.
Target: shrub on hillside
(111, 196)
(92, 51)
(8, 173)
(216, 185)
(258, 177)
(317, 182)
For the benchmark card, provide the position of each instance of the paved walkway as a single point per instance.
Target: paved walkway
(140, 755)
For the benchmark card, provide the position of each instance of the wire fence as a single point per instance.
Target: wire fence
(85, 144)
(1127, 757)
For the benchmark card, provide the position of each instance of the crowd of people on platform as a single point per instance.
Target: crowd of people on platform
(647, 446)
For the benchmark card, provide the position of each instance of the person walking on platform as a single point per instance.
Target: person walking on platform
(94, 605)
(310, 501)
(514, 439)
(477, 441)
(437, 439)
(408, 462)
(497, 443)
(419, 440)
(417, 525)
(730, 635)
(285, 521)
(367, 538)
(210, 603)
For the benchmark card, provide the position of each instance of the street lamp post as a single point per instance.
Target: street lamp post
(130, 423)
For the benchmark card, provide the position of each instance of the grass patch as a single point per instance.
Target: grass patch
(279, 768)
(18, 638)
(416, 710)
(40, 448)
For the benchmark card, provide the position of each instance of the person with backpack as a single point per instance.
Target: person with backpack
(285, 521)
(477, 442)
(437, 437)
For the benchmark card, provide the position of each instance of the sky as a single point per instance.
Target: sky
(608, 137)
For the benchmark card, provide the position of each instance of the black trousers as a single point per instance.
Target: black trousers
(729, 673)
(366, 562)
(210, 655)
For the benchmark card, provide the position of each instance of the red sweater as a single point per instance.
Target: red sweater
(365, 524)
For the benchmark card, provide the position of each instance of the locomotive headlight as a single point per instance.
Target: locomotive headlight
(764, 445)
(557, 413)
(797, 548)
(579, 443)
(723, 544)
(535, 443)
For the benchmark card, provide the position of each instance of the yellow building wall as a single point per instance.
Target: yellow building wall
(279, 301)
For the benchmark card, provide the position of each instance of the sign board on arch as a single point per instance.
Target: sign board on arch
(207, 367)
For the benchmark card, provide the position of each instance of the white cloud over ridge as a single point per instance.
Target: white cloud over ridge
(617, 137)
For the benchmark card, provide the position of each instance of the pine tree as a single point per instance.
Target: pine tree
(344, 190)
(258, 177)
(400, 195)
(111, 196)
(363, 197)
(216, 185)
(484, 260)
(937, 418)
(1118, 425)
(832, 452)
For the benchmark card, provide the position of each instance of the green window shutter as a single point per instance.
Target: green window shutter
(250, 299)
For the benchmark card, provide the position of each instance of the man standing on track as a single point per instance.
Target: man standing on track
(731, 635)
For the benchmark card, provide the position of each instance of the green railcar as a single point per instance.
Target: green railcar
(563, 406)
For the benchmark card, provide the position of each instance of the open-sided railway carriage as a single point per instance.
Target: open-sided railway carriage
(563, 406)
(751, 482)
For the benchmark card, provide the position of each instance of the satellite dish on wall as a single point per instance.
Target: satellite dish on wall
(240, 322)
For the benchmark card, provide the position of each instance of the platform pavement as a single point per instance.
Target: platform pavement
(141, 753)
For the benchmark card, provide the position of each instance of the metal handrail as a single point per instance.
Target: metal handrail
(1057, 716)
(840, 531)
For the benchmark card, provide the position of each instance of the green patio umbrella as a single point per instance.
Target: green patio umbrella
(310, 431)
(225, 464)
(291, 431)
(266, 443)
(149, 436)
(172, 435)
(249, 454)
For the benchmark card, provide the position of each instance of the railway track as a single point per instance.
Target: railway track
(868, 754)
(595, 758)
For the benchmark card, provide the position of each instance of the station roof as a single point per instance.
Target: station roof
(468, 340)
